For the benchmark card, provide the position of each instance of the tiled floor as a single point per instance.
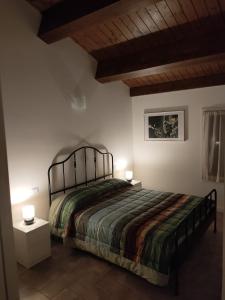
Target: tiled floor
(72, 274)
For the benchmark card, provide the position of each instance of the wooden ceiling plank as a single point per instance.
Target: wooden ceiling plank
(91, 38)
(217, 68)
(84, 46)
(85, 42)
(175, 75)
(215, 10)
(211, 67)
(167, 14)
(222, 66)
(207, 67)
(221, 69)
(132, 26)
(69, 16)
(222, 4)
(213, 7)
(201, 8)
(193, 71)
(156, 78)
(203, 71)
(143, 80)
(193, 83)
(118, 22)
(116, 32)
(180, 75)
(139, 81)
(186, 73)
(105, 34)
(139, 23)
(143, 13)
(177, 11)
(189, 10)
(157, 60)
(166, 78)
(189, 72)
(157, 17)
(150, 80)
(191, 14)
(104, 41)
(180, 16)
(198, 70)
(170, 76)
(109, 33)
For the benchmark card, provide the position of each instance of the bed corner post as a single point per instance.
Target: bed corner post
(215, 216)
(112, 166)
(175, 265)
(176, 283)
(49, 188)
(176, 279)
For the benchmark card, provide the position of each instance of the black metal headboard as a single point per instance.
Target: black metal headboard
(107, 171)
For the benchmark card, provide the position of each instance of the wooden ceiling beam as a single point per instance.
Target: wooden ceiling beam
(185, 84)
(70, 16)
(175, 34)
(156, 60)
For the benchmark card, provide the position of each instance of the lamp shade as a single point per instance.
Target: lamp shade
(28, 213)
(128, 175)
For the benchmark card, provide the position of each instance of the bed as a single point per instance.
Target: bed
(144, 231)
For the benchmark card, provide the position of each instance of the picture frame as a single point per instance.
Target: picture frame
(164, 126)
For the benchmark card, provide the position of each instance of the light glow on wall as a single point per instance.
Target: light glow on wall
(19, 195)
(120, 164)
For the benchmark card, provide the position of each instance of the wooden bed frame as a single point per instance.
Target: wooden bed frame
(207, 213)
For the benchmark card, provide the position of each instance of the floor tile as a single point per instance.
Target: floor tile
(75, 275)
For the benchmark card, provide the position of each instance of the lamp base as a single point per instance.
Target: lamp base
(29, 222)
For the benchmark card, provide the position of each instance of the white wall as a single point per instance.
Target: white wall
(38, 83)
(174, 166)
(223, 279)
(8, 276)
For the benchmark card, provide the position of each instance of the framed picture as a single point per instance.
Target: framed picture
(164, 126)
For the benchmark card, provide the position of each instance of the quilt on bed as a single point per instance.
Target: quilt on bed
(126, 226)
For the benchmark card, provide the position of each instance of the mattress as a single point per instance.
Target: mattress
(132, 228)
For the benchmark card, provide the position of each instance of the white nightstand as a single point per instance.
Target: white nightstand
(32, 242)
(136, 184)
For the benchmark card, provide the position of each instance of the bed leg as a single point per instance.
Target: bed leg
(175, 264)
(215, 216)
(175, 288)
(215, 224)
(174, 282)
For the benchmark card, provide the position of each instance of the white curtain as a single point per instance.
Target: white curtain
(213, 145)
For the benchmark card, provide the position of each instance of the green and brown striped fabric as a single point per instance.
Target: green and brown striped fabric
(137, 225)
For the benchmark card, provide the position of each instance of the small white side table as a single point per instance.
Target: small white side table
(32, 242)
(136, 184)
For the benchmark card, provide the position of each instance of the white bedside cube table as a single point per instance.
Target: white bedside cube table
(32, 242)
(136, 184)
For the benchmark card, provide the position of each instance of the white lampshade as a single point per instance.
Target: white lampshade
(28, 213)
(129, 175)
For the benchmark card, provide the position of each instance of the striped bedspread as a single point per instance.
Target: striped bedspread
(134, 229)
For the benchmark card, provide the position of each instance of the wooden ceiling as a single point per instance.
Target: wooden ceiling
(153, 46)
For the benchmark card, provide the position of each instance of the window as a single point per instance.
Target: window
(213, 145)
